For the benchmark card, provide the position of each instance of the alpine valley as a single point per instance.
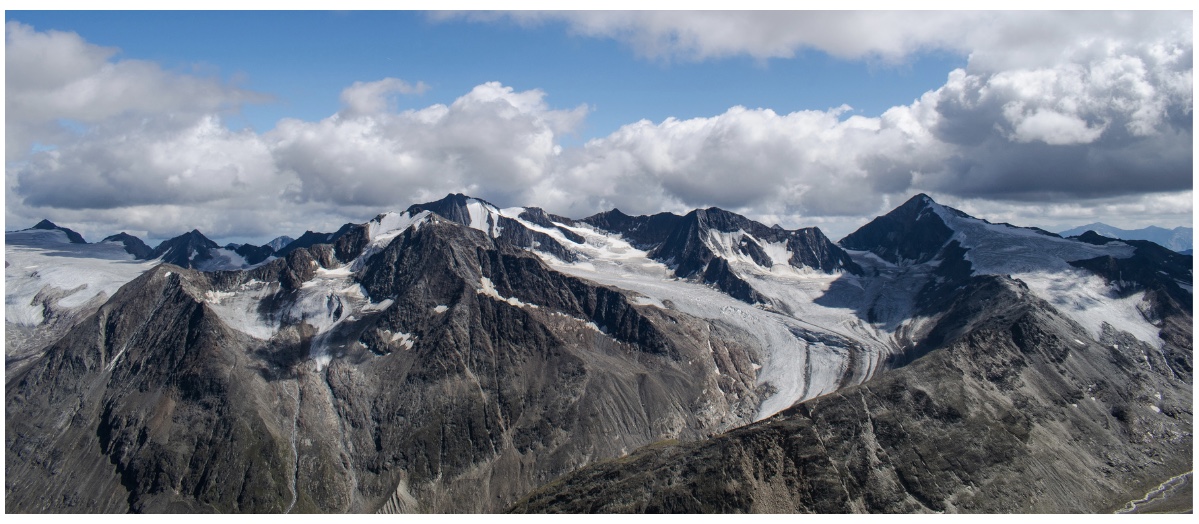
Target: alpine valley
(459, 357)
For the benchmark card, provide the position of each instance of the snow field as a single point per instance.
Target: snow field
(44, 259)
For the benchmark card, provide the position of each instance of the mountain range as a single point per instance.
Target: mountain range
(460, 357)
(1177, 239)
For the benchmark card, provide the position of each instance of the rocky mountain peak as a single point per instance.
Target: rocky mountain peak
(911, 233)
(133, 245)
(454, 206)
(186, 250)
(72, 236)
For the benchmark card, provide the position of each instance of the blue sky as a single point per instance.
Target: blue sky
(251, 124)
(305, 58)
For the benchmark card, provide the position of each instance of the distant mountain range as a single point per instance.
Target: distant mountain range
(1177, 239)
(460, 357)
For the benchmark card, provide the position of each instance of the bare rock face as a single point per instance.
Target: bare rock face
(910, 233)
(186, 250)
(155, 403)
(133, 245)
(1017, 412)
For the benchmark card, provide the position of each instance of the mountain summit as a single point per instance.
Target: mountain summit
(186, 250)
(73, 237)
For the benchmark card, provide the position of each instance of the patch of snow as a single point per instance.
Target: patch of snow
(378, 306)
(223, 260)
(239, 309)
(778, 252)
(330, 298)
(643, 300)
(441, 308)
(405, 340)
(321, 360)
(484, 217)
(1042, 262)
(382, 231)
(215, 297)
(488, 288)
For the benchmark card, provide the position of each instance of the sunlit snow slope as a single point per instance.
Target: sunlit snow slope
(47, 278)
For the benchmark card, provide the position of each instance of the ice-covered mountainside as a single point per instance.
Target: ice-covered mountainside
(47, 263)
(280, 242)
(1043, 262)
(48, 279)
(809, 350)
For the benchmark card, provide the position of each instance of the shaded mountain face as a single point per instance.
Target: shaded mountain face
(252, 254)
(74, 237)
(186, 250)
(429, 362)
(308, 239)
(1019, 410)
(911, 233)
(133, 245)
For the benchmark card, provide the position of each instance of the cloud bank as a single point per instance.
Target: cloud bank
(1056, 117)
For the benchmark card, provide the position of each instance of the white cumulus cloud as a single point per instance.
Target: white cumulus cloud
(372, 97)
(1095, 110)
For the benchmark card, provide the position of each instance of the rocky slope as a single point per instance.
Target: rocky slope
(1017, 411)
(471, 375)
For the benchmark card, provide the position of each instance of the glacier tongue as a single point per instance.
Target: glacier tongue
(802, 358)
